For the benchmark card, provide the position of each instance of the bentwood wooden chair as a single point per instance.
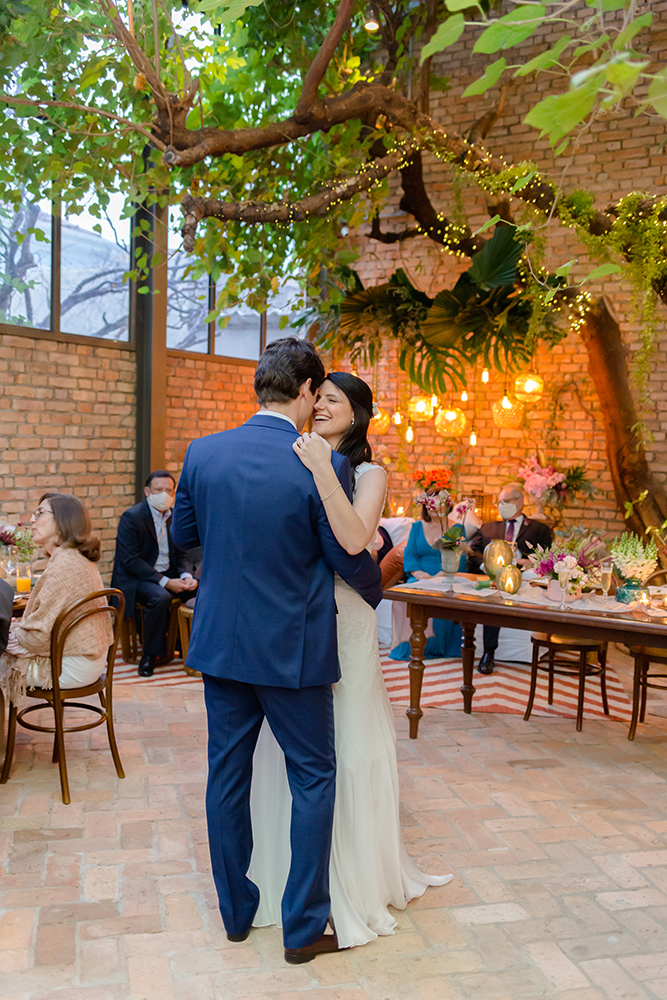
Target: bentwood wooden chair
(185, 627)
(59, 699)
(577, 663)
(131, 637)
(644, 656)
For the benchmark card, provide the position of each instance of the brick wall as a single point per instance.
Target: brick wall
(615, 157)
(67, 423)
(204, 395)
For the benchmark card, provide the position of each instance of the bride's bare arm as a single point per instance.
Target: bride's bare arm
(353, 525)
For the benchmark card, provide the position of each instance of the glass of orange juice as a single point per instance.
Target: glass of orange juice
(23, 574)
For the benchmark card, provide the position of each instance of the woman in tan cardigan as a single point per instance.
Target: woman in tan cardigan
(61, 527)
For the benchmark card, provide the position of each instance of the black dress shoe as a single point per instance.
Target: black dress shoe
(486, 664)
(146, 665)
(327, 943)
(238, 937)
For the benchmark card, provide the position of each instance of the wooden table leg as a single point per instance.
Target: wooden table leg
(468, 659)
(418, 621)
(2, 721)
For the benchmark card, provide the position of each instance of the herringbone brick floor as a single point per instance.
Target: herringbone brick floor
(558, 842)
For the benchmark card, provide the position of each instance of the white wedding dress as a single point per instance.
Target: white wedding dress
(370, 868)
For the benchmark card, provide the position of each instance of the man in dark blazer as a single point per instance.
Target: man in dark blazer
(149, 568)
(515, 528)
(264, 636)
(6, 606)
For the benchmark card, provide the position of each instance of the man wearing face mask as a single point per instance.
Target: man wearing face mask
(149, 568)
(517, 529)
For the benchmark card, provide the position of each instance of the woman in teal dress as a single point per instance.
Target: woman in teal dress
(420, 561)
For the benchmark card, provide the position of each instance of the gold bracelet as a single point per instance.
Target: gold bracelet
(332, 492)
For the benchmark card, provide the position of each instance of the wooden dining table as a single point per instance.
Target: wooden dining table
(490, 607)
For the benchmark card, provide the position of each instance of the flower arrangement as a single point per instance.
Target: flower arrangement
(433, 479)
(442, 504)
(633, 559)
(552, 486)
(19, 537)
(579, 551)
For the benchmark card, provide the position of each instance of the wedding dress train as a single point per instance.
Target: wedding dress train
(370, 868)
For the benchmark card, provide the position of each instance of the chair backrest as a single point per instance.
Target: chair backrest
(73, 615)
(658, 579)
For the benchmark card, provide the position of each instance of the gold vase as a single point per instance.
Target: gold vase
(496, 555)
(508, 579)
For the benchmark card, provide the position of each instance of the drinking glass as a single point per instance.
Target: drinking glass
(23, 575)
(563, 580)
(606, 569)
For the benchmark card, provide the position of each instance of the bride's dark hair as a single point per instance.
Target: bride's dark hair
(354, 443)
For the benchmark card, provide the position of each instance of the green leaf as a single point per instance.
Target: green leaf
(602, 271)
(564, 269)
(449, 32)
(511, 29)
(223, 13)
(657, 92)
(558, 114)
(492, 74)
(521, 182)
(606, 5)
(546, 59)
(453, 5)
(487, 225)
(624, 37)
(625, 74)
(495, 264)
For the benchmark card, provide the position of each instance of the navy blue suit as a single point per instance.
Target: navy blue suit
(264, 637)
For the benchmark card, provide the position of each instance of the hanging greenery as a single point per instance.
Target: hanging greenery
(487, 315)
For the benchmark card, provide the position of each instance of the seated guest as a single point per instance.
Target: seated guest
(149, 568)
(520, 531)
(6, 604)
(391, 565)
(61, 527)
(420, 562)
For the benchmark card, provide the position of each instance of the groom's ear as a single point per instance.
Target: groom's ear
(306, 391)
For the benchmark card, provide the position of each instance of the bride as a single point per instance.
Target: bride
(370, 868)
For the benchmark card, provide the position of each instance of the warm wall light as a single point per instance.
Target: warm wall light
(529, 387)
(450, 422)
(397, 418)
(507, 413)
(435, 402)
(371, 18)
(380, 422)
(409, 434)
(473, 437)
(464, 396)
(505, 402)
(420, 408)
(485, 375)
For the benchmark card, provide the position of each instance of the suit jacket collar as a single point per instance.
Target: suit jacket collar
(260, 420)
(148, 518)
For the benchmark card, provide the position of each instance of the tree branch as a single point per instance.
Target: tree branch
(308, 100)
(377, 234)
(259, 212)
(438, 228)
(136, 53)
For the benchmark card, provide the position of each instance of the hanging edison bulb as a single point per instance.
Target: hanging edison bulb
(397, 418)
(529, 387)
(435, 402)
(473, 437)
(464, 396)
(450, 422)
(409, 433)
(507, 412)
(420, 408)
(380, 422)
(485, 375)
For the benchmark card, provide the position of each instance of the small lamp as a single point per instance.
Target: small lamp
(379, 423)
(450, 422)
(529, 387)
(371, 18)
(420, 408)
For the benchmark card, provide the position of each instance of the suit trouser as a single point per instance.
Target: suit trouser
(302, 722)
(157, 601)
(490, 638)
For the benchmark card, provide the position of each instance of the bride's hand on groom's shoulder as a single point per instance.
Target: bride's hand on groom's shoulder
(313, 450)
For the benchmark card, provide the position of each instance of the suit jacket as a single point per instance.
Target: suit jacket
(265, 611)
(137, 551)
(531, 533)
(6, 605)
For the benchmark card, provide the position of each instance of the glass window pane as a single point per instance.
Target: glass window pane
(281, 305)
(187, 306)
(25, 267)
(94, 302)
(240, 338)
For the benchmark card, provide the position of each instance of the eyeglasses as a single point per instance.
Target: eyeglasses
(38, 513)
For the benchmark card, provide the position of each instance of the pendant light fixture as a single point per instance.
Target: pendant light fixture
(371, 18)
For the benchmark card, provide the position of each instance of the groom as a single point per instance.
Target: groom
(264, 636)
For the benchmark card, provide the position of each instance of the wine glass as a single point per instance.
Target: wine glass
(606, 569)
(563, 581)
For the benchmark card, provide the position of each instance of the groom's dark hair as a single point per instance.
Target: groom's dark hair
(283, 368)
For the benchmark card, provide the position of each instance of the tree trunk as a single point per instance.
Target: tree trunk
(608, 369)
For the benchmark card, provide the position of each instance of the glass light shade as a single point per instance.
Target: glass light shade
(529, 387)
(496, 555)
(508, 579)
(397, 418)
(380, 423)
(507, 413)
(420, 408)
(450, 422)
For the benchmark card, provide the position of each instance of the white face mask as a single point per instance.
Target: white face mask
(506, 509)
(160, 501)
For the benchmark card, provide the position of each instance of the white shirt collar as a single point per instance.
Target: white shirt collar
(272, 413)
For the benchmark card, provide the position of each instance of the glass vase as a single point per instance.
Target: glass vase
(631, 590)
(450, 559)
